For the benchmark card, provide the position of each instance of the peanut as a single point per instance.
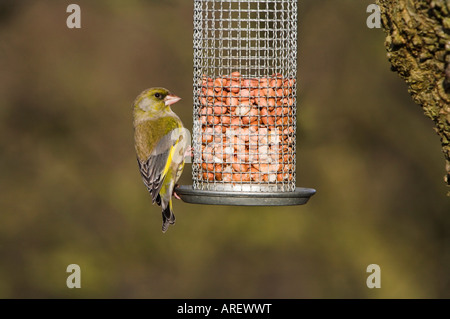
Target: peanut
(219, 108)
(208, 176)
(218, 83)
(226, 120)
(245, 94)
(234, 86)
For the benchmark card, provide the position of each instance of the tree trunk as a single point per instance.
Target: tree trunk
(418, 46)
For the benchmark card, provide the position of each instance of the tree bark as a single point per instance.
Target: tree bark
(418, 46)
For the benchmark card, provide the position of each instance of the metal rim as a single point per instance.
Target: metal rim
(298, 197)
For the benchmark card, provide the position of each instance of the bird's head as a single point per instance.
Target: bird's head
(154, 101)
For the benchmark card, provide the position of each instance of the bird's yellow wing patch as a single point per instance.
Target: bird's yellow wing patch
(168, 163)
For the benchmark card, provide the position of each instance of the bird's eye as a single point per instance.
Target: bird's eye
(157, 95)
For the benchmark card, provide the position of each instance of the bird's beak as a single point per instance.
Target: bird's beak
(171, 99)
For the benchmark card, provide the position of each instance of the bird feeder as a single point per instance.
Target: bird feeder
(244, 97)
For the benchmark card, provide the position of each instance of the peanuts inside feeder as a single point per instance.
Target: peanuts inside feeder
(245, 95)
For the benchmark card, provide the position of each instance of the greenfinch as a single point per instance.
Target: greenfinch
(161, 142)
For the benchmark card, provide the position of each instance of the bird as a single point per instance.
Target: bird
(161, 142)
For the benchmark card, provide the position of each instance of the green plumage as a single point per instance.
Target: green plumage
(161, 142)
(149, 132)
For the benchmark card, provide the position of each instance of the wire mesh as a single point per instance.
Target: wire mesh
(245, 91)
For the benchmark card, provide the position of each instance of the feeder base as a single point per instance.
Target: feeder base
(298, 197)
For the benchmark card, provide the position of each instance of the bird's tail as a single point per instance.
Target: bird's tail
(167, 216)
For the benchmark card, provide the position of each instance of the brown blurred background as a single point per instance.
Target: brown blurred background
(70, 190)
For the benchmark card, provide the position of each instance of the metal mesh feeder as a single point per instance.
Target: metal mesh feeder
(245, 94)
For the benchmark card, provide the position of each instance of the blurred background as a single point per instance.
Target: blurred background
(71, 193)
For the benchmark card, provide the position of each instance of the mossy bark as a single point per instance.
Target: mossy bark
(418, 46)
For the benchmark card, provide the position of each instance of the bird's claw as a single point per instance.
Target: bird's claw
(189, 152)
(175, 193)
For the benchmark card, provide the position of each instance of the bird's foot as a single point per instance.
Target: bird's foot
(189, 152)
(175, 193)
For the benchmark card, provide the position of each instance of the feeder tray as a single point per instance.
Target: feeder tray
(244, 104)
(298, 197)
